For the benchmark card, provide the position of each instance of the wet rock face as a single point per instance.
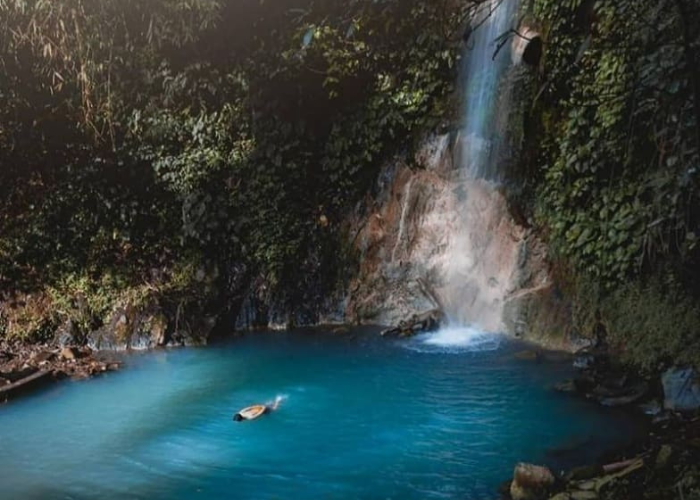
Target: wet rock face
(456, 234)
(429, 321)
(527, 46)
(130, 328)
(681, 389)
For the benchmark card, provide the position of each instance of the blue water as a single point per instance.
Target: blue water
(442, 417)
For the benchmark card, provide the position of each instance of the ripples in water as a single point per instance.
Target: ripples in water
(445, 416)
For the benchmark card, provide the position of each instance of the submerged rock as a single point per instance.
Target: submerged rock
(681, 389)
(572, 448)
(567, 386)
(584, 472)
(531, 482)
(626, 395)
(584, 362)
(652, 408)
(528, 356)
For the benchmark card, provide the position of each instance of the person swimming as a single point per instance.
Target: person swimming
(253, 412)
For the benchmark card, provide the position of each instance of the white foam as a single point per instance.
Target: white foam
(456, 339)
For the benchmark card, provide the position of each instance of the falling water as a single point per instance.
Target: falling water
(482, 261)
(450, 224)
(486, 61)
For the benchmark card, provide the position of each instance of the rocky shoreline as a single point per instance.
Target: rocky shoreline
(26, 367)
(663, 464)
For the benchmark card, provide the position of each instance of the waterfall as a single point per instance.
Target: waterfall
(487, 58)
(481, 263)
(448, 224)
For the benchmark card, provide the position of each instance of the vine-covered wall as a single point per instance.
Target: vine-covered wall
(615, 180)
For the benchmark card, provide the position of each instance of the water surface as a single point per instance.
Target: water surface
(442, 417)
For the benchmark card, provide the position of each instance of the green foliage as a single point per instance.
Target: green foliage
(619, 183)
(87, 302)
(653, 322)
(616, 181)
(655, 325)
(133, 133)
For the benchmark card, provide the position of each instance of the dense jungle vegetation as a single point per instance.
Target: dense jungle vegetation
(160, 138)
(615, 178)
(188, 145)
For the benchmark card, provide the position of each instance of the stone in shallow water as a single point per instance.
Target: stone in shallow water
(652, 408)
(584, 362)
(585, 472)
(530, 482)
(527, 356)
(561, 496)
(681, 389)
(568, 386)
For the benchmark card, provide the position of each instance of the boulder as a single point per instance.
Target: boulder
(149, 330)
(663, 457)
(159, 328)
(651, 408)
(626, 396)
(426, 322)
(681, 389)
(105, 339)
(584, 362)
(115, 334)
(67, 334)
(70, 353)
(531, 482)
(567, 386)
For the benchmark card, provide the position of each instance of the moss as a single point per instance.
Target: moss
(90, 302)
(651, 323)
(28, 317)
(654, 324)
